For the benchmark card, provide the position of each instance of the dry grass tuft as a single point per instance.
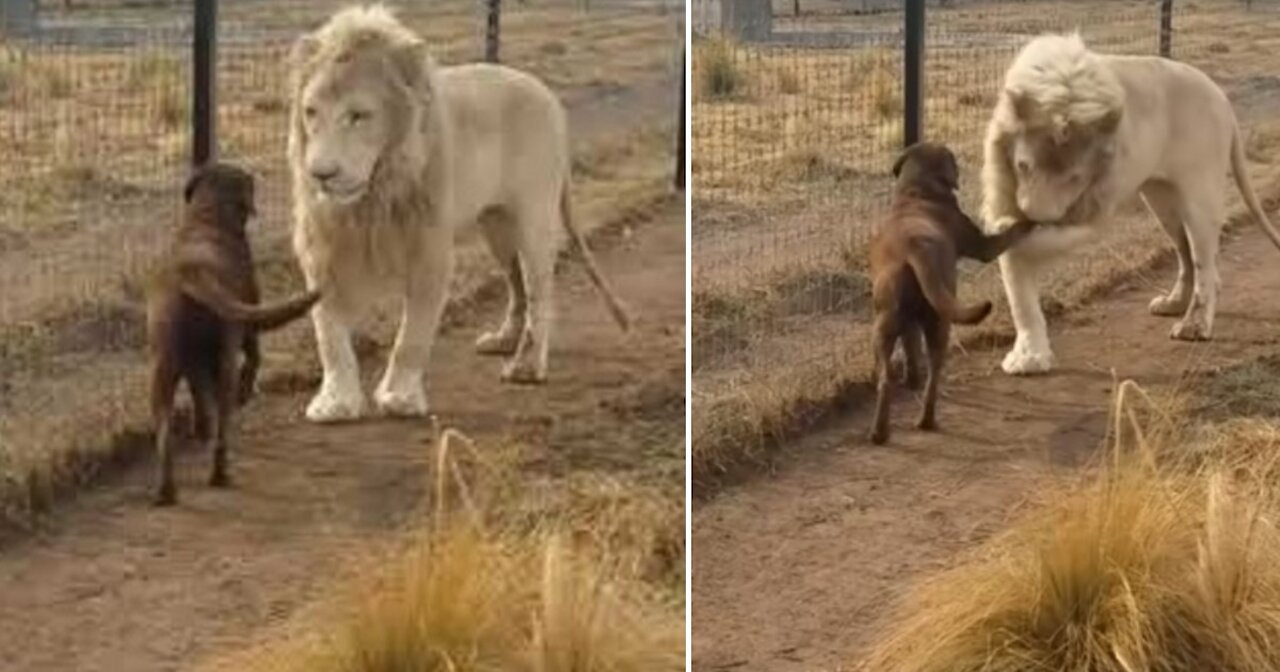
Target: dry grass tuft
(482, 589)
(720, 75)
(1159, 563)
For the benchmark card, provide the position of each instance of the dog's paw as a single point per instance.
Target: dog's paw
(927, 424)
(878, 436)
(331, 406)
(498, 343)
(1192, 328)
(1168, 306)
(1024, 361)
(219, 479)
(523, 373)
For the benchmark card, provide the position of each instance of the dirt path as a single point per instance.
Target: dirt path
(118, 585)
(792, 571)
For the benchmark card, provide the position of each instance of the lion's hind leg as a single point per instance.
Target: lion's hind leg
(1203, 213)
(1162, 201)
(500, 234)
(537, 241)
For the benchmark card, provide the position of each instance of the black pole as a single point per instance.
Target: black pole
(913, 74)
(204, 84)
(491, 31)
(1166, 28)
(680, 146)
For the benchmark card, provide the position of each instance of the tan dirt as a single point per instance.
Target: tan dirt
(794, 570)
(115, 584)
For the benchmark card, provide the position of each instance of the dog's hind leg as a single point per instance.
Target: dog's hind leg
(912, 356)
(884, 337)
(164, 384)
(249, 370)
(937, 338)
(227, 391)
(1161, 201)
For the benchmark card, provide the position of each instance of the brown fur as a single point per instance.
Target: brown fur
(202, 311)
(913, 269)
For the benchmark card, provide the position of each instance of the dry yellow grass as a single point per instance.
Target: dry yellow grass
(1164, 561)
(491, 585)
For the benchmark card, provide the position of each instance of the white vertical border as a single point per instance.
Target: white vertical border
(687, 64)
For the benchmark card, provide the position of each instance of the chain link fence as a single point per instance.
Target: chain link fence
(798, 115)
(96, 129)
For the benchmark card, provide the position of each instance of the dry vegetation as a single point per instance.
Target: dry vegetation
(791, 163)
(96, 141)
(1163, 560)
(591, 579)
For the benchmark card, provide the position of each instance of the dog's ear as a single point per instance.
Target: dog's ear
(950, 170)
(193, 180)
(902, 158)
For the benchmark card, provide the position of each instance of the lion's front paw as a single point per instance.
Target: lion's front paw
(1023, 360)
(1190, 329)
(410, 402)
(333, 404)
(1168, 306)
(498, 343)
(523, 373)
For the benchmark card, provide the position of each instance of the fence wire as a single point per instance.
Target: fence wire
(95, 128)
(798, 116)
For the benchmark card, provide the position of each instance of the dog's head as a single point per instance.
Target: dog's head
(222, 189)
(928, 167)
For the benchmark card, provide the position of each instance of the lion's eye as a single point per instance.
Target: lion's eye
(309, 113)
(356, 117)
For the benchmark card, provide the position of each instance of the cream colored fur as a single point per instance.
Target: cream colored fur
(391, 155)
(1076, 134)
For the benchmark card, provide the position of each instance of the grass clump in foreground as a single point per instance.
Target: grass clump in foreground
(1166, 561)
(490, 587)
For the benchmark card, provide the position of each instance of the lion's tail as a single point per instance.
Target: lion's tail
(616, 309)
(1240, 168)
(940, 296)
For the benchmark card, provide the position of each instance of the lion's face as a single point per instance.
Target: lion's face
(352, 113)
(1057, 161)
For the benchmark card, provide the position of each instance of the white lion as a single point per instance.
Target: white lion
(1076, 134)
(391, 155)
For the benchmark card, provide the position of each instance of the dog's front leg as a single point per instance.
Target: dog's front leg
(401, 391)
(1031, 352)
(340, 397)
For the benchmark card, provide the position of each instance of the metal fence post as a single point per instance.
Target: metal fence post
(491, 31)
(1166, 28)
(204, 109)
(913, 73)
(680, 142)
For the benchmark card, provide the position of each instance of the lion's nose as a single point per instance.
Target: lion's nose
(324, 174)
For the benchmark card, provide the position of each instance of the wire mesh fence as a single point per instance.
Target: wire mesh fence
(797, 116)
(96, 130)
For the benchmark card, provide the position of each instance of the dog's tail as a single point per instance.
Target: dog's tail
(940, 296)
(1240, 168)
(205, 288)
(616, 309)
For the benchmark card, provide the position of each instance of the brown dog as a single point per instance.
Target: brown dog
(913, 269)
(202, 313)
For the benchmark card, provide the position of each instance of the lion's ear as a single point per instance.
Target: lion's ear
(414, 63)
(1024, 106)
(1110, 122)
(303, 50)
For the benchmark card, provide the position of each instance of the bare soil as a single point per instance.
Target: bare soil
(794, 570)
(111, 583)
